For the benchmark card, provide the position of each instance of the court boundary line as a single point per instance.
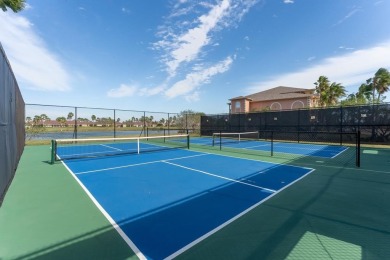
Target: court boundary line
(346, 148)
(300, 148)
(115, 225)
(215, 230)
(135, 249)
(137, 164)
(221, 177)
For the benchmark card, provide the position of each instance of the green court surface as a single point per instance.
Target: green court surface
(337, 212)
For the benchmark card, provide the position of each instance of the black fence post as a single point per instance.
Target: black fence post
(220, 140)
(341, 125)
(272, 143)
(358, 149)
(114, 123)
(75, 122)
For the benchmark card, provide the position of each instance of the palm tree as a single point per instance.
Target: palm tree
(381, 82)
(334, 93)
(15, 5)
(365, 91)
(322, 87)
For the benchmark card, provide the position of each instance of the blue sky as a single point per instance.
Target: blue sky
(174, 55)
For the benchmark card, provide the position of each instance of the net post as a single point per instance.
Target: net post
(272, 143)
(358, 148)
(213, 141)
(188, 141)
(138, 146)
(53, 151)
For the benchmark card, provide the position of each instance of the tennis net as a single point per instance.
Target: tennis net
(64, 149)
(222, 137)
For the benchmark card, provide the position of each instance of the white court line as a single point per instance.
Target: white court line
(137, 164)
(193, 243)
(255, 146)
(221, 177)
(128, 241)
(111, 147)
(340, 152)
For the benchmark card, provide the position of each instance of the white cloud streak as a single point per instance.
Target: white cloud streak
(35, 66)
(123, 91)
(288, 1)
(195, 79)
(186, 46)
(350, 70)
(349, 15)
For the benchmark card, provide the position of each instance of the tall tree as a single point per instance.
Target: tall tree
(14, 5)
(335, 92)
(322, 88)
(381, 82)
(70, 116)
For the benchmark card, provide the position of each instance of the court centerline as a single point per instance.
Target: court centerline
(138, 164)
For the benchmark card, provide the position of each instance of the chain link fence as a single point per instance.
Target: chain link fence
(12, 131)
(373, 121)
(47, 122)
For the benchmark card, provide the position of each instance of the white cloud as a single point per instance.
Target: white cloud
(288, 1)
(122, 91)
(33, 63)
(192, 97)
(350, 70)
(151, 91)
(195, 79)
(186, 45)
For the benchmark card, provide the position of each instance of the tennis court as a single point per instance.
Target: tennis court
(316, 150)
(335, 212)
(163, 203)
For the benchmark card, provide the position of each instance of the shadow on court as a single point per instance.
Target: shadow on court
(333, 213)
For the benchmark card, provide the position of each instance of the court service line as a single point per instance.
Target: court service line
(138, 164)
(219, 176)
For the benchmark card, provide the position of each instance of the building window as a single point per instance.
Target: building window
(297, 104)
(276, 106)
(238, 106)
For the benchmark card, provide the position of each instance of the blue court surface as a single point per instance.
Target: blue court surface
(316, 150)
(163, 203)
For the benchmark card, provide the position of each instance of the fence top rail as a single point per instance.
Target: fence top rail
(101, 108)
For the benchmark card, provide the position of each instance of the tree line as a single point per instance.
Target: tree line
(185, 119)
(370, 92)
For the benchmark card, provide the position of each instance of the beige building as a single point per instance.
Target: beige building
(279, 98)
